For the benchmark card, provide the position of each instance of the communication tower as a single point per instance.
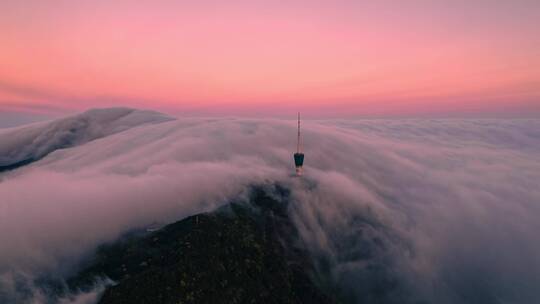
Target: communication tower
(299, 156)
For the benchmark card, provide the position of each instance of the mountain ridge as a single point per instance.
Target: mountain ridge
(244, 252)
(29, 143)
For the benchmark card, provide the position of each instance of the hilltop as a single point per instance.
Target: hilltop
(244, 252)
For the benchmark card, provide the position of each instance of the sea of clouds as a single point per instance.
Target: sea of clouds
(393, 211)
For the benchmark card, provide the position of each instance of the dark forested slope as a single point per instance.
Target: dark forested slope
(245, 252)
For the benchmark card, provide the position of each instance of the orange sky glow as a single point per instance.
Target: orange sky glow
(258, 58)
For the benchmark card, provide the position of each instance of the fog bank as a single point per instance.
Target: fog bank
(394, 211)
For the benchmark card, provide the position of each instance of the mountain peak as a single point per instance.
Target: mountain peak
(26, 144)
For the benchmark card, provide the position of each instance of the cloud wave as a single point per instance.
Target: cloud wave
(394, 211)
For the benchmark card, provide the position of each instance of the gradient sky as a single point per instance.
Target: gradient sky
(256, 58)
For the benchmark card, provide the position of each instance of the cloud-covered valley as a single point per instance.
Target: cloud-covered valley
(429, 211)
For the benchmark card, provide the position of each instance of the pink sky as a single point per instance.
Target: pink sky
(258, 58)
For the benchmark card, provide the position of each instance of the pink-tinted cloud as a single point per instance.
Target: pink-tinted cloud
(427, 208)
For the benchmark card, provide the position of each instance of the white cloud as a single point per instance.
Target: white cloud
(435, 209)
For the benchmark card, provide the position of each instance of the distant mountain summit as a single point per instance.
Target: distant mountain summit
(26, 144)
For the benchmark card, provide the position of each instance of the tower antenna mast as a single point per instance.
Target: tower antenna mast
(298, 141)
